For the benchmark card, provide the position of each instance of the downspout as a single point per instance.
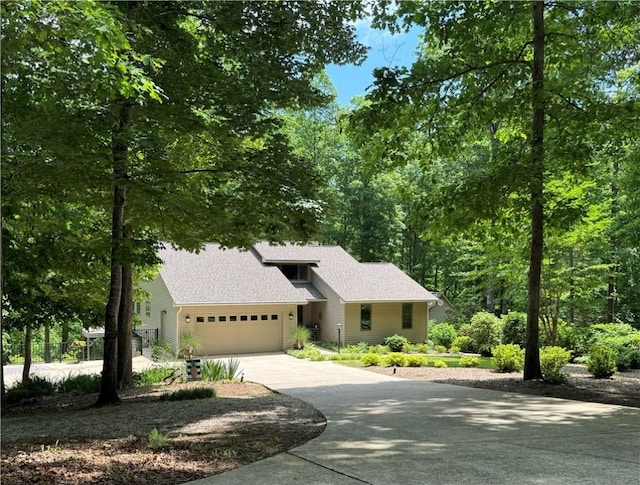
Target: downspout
(430, 305)
(177, 322)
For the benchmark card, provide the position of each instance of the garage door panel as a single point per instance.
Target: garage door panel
(240, 337)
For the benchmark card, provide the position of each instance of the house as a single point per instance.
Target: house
(439, 312)
(240, 301)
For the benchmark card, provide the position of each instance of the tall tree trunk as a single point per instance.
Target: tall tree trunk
(28, 334)
(120, 143)
(613, 247)
(491, 290)
(125, 327)
(571, 316)
(64, 346)
(532, 351)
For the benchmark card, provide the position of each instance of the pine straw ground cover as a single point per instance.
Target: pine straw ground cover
(64, 440)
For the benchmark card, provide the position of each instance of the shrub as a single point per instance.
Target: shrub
(441, 349)
(416, 361)
(161, 351)
(300, 336)
(464, 343)
(508, 358)
(212, 370)
(371, 359)
(395, 359)
(189, 343)
(308, 353)
(469, 361)
(486, 331)
(514, 328)
(583, 359)
(344, 356)
(440, 364)
(602, 361)
(34, 387)
(443, 334)
(81, 384)
(154, 375)
(379, 349)
(454, 350)
(422, 348)
(552, 360)
(187, 394)
(359, 348)
(396, 342)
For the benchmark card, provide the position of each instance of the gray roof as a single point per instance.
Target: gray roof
(216, 275)
(351, 280)
(232, 276)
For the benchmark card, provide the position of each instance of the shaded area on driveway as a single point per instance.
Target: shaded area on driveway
(384, 430)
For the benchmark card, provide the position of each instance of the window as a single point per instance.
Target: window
(233, 318)
(254, 318)
(264, 317)
(294, 272)
(407, 315)
(365, 317)
(199, 319)
(147, 308)
(138, 307)
(211, 319)
(274, 317)
(222, 318)
(243, 318)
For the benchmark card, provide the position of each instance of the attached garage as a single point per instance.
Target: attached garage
(236, 331)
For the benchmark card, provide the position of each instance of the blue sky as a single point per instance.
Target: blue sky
(385, 50)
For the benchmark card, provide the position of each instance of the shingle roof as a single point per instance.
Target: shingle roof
(232, 276)
(351, 280)
(223, 276)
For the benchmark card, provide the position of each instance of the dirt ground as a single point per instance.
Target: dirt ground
(63, 440)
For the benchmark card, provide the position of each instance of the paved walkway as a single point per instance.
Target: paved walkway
(384, 430)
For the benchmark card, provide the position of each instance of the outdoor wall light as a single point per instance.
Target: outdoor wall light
(187, 318)
(290, 315)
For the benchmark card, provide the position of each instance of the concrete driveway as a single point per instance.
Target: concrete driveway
(383, 430)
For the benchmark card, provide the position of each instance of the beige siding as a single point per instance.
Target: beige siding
(332, 312)
(386, 320)
(160, 300)
(269, 331)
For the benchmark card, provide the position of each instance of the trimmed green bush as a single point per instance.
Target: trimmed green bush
(423, 348)
(441, 349)
(440, 364)
(396, 342)
(188, 394)
(464, 343)
(379, 349)
(552, 361)
(416, 361)
(486, 331)
(514, 328)
(443, 334)
(308, 353)
(602, 361)
(371, 359)
(469, 361)
(508, 358)
(454, 350)
(395, 359)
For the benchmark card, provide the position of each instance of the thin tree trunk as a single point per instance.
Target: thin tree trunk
(47, 341)
(125, 327)
(532, 352)
(26, 368)
(611, 287)
(109, 386)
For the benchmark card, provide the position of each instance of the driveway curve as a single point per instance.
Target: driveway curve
(384, 430)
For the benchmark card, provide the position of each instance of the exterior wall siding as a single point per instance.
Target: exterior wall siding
(386, 320)
(329, 313)
(160, 300)
(240, 336)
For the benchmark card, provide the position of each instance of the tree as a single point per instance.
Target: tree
(536, 72)
(176, 105)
